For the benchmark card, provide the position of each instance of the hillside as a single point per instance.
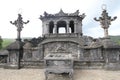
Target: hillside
(115, 39)
(7, 41)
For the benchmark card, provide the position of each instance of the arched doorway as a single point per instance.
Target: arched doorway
(61, 25)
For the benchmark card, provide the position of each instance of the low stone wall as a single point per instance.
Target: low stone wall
(32, 64)
(77, 64)
(62, 35)
(88, 65)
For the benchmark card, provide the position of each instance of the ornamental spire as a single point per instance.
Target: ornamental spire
(105, 20)
(19, 24)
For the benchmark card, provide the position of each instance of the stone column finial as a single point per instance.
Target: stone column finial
(105, 21)
(19, 24)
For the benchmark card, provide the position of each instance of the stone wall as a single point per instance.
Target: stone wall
(61, 47)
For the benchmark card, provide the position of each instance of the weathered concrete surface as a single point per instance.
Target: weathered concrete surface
(38, 74)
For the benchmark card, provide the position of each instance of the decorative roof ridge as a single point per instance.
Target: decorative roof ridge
(62, 13)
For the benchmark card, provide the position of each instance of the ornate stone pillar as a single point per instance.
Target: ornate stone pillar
(43, 32)
(47, 28)
(105, 21)
(106, 32)
(75, 27)
(68, 27)
(55, 27)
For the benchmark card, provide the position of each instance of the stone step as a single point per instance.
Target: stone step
(32, 64)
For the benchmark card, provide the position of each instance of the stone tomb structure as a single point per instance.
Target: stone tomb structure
(62, 34)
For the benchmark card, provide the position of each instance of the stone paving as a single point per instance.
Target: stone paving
(38, 74)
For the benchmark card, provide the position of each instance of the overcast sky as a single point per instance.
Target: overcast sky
(32, 9)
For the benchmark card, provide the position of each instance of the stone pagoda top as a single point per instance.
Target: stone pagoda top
(70, 22)
(61, 13)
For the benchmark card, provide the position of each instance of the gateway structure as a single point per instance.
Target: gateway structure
(85, 51)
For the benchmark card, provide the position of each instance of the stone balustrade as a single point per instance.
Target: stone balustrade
(62, 35)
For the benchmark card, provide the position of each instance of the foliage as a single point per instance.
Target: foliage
(6, 42)
(1, 42)
(115, 39)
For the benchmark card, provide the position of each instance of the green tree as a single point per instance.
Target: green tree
(1, 40)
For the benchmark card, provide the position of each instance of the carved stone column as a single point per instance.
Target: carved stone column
(47, 28)
(106, 32)
(75, 27)
(68, 27)
(55, 27)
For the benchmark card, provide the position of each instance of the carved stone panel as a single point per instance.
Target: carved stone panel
(61, 47)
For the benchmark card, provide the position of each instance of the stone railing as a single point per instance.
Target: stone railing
(63, 35)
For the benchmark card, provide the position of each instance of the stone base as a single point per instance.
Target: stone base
(11, 66)
(88, 65)
(112, 66)
(32, 64)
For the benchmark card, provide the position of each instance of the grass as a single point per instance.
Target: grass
(115, 39)
(6, 42)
